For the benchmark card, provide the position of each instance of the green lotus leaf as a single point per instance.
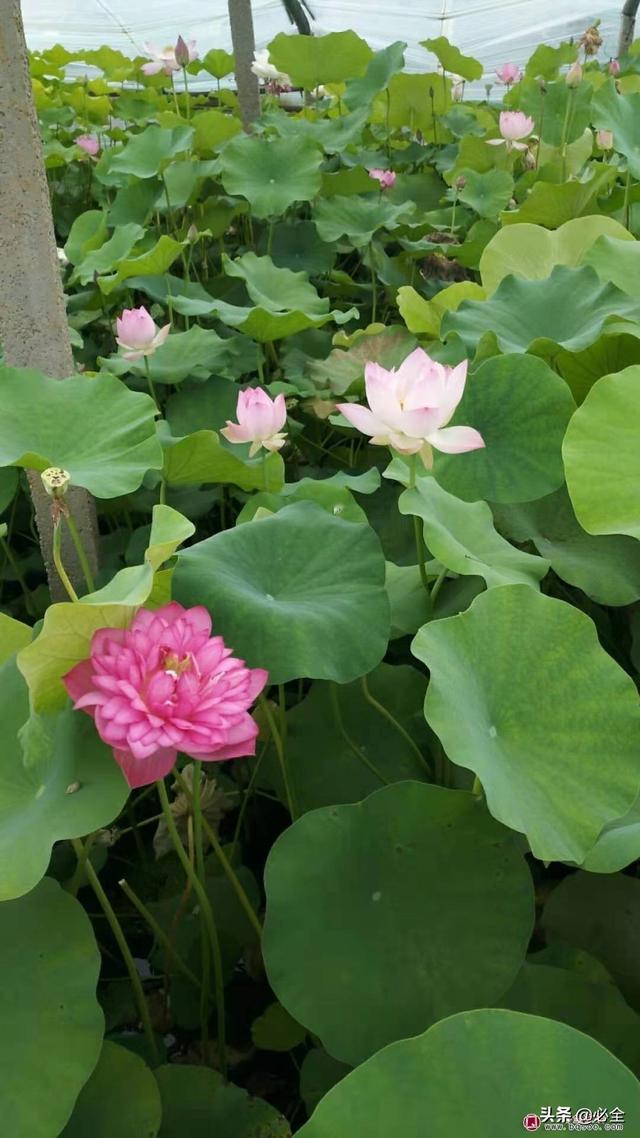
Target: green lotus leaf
(618, 845)
(271, 174)
(597, 1009)
(382, 65)
(418, 1079)
(201, 457)
(414, 101)
(340, 747)
(486, 194)
(50, 964)
(121, 1097)
(104, 257)
(313, 60)
(218, 63)
(529, 315)
(97, 430)
(343, 369)
(70, 785)
(336, 500)
(195, 1101)
(617, 348)
(358, 218)
(146, 154)
(532, 252)
(461, 536)
(153, 262)
(620, 114)
(212, 129)
(546, 61)
(276, 585)
(195, 353)
(521, 408)
(602, 457)
(276, 1030)
(88, 232)
(539, 760)
(553, 203)
(416, 878)
(606, 568)
(616, 259)
(425, 316)
(451, 58)
(600, 913)
(14, 635)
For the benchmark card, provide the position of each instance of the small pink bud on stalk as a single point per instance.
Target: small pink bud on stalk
(573, 78)
(508, 73)
(182, 53)
(614, 67)
(604, 138)
(386, 178)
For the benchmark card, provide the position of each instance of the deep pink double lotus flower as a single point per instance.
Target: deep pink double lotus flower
(166, 685)
(409, 408)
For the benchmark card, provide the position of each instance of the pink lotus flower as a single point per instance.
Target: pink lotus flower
(410, 407)
(604, 138)
(509, 73)
(137, 331)
(166, 685)
(87, 143)
(614, 67)
(386, 178)
(165, 59)
(260, 421)
(514, 125)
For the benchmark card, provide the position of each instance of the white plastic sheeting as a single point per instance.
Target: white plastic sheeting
(493, 31)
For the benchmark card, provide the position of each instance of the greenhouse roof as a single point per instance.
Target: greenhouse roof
(491, 30)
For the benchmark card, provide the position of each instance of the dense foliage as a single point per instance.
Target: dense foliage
(440, 827)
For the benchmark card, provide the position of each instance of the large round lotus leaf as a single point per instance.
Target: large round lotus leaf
(271, 173)
(120, 1100)
(147, 153)
(312, 60)
(616, 259)
(616, 349)
(358, 218)
(598, 1009)
(387, 915)
(197, 1104)
(523, 313)
(99, 431)
(532, 252)
(600, 913)
(606, 568)
(461, 535)
(602, 456)
(52, 1023)
(476, 1074)
(340, 748)
(521, 408)
(61, 783)
(300, 593)
(551, 723)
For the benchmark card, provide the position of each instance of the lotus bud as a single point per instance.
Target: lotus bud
(604, 138)
(614, 67)
(182, 52)
(573, 78)
(460, 182)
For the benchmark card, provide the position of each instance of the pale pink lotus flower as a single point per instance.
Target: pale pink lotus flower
(264, 69)
(386, 178)
(164, 59)
(137, 332)
(508, 73)
(409, 407)
(457, 92)
(614, 67)
(88, 143)
(514, 126)
(260, 421)
(604, 138)
(165, 685)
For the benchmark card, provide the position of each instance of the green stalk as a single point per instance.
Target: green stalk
(158, 932)
(333, 688)
(227, 868)
(384, 711)
(121, 941)
(57, 561)
(277, 741)
(437, 585)
(80, 550)
(152, 390)
(196, 809)
(626, 209)
(207, 914)
(417, 528)
(246, 797)
(374, 284)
